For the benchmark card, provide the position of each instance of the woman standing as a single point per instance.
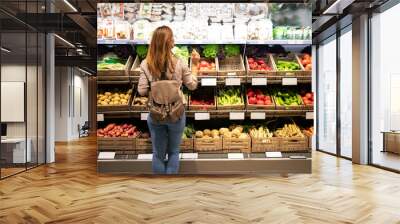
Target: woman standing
(162, 75)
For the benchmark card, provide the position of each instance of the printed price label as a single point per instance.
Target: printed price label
(257, 116)
(259, 81)
(144, 116)
(236, 115)
(232, 81)
(201, 116)
(189, 155)
(106, 155)
(145, 157)
(289, 81)
(273, 154)
(235, 156)
(309, 115)
(209, 82)
(100, 117)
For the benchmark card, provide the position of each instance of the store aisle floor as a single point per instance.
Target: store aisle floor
(70, 191)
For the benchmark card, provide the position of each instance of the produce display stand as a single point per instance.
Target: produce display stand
(221, 155)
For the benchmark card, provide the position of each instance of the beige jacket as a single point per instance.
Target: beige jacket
(182, 73)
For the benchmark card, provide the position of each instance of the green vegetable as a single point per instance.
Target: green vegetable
(111, 61)
(141, 51)
(210, 50)
(230, 96)
(188, 132)
(232, 50)
(181, 52)
(286, 97)
(283, 65)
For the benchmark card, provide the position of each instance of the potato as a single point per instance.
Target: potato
(103, 103)
(223, 130)
(107, 94)
(199, 134)
(207, 132)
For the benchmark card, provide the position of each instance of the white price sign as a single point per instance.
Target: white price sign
(257, 116)
(144, 116)
(259, 81)
(201, 116)
(289, 81)
(273, 154)
(235, 156)
(100, 117)
(209, 82)
(236, 115)
(232, 81)
(189, 155)
(145, 157)
(309, 115)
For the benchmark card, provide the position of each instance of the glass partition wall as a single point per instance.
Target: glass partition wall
(22, 76)
(385, 90)
(334, 103)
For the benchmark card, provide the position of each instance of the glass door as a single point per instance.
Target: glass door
(326, 108)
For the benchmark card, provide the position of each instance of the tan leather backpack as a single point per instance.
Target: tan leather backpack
(165, 99)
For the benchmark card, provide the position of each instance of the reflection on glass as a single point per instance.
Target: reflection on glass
(346, 94)
(327, 96)
(14, 146)
(385, 84)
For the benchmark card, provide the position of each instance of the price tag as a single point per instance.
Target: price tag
(100, 117)
(236, 115)
(143, 116)
(235, 156)
(232, 81)
(201, 116)
(145, 157)
(309, 115)
(289, 81)
(108, 41)
(209, 82)
(257, 116)
(106, 155)
(189, 155)
(231, 74)
(259, 81)
(273, 154)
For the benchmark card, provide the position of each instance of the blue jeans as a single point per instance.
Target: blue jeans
(166, 138)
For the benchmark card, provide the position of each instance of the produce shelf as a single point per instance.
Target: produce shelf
(213, 163)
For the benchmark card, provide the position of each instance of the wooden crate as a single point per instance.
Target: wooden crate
(207, 144)
(289, 57)
(143, 145)
(305, 72)
(136, 107)
(294, 144)
(230, 107)
(231, 67)
(202, 107)
(269, 61)
(260, 107)
(207, 73)
(124, 72)
(187, 145)
(116, 143)
(101, 108)
(264, 144)
(236, 144)
(135, 69)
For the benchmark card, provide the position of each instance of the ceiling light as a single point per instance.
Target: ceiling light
(84, 71)
(5, 50)
(65, 41)
(70, 5)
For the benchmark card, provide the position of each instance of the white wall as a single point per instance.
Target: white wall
(71, 99)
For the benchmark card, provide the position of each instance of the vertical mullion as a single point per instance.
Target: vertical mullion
(26, 86)
(338, 94)
(317, 95)
(37, 90)
(0, 95)
(369, 79)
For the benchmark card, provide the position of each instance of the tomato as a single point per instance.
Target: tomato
(250, 60)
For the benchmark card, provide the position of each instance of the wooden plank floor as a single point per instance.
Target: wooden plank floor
(70, 191)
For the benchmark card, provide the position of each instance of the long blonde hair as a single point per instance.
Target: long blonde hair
(160, 52)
